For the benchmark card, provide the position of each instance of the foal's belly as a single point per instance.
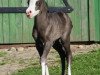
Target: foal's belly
(51, 33)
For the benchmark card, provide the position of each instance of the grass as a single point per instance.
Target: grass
(2, 54)
(2, 63)
(83, 64)
(87, 64)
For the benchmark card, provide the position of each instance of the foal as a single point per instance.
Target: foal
(50, 30)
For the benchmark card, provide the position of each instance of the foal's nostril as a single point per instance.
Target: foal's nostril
(30, 11)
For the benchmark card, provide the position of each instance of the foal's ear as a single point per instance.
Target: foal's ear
(28, 2)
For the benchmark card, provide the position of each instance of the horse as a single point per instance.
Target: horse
(50, 30)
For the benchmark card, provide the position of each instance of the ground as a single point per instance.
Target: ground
(14, 57)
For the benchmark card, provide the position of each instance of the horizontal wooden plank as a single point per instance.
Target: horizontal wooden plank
(60, 9)
(12, 9)
(23, 9)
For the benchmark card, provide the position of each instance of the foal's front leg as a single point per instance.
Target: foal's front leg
(46, 50)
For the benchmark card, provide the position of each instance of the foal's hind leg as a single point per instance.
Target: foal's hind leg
(66, 44)
(59, 48)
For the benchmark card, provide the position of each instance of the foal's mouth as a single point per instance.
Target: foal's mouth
(29, 16)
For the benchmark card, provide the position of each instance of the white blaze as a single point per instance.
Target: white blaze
(32, 6)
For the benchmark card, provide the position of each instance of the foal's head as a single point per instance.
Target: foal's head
(33, 8)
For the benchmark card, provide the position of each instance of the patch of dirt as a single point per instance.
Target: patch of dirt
(78, 49)
(22, 56)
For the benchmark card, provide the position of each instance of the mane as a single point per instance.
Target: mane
(44, 6)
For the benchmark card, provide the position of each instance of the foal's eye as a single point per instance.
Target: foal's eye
(38, 3)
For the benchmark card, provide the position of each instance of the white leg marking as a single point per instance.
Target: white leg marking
(43, 68)
(47, 71)
(69, 69)
(69, 65)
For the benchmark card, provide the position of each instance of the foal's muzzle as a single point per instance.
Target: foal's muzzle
(32, 13)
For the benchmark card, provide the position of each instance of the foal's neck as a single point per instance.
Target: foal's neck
(43, 9)
(42, 16)
(41, 19)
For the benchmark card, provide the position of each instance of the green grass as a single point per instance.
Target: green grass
(2, 54)
(87, 64)
(37, 71)
(2, 63)
(83, 64)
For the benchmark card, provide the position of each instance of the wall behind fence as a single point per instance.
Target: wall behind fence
(17, 28)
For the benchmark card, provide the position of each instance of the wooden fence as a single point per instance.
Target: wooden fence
(17, 28)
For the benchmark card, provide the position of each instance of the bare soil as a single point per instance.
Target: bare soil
(22, 56)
